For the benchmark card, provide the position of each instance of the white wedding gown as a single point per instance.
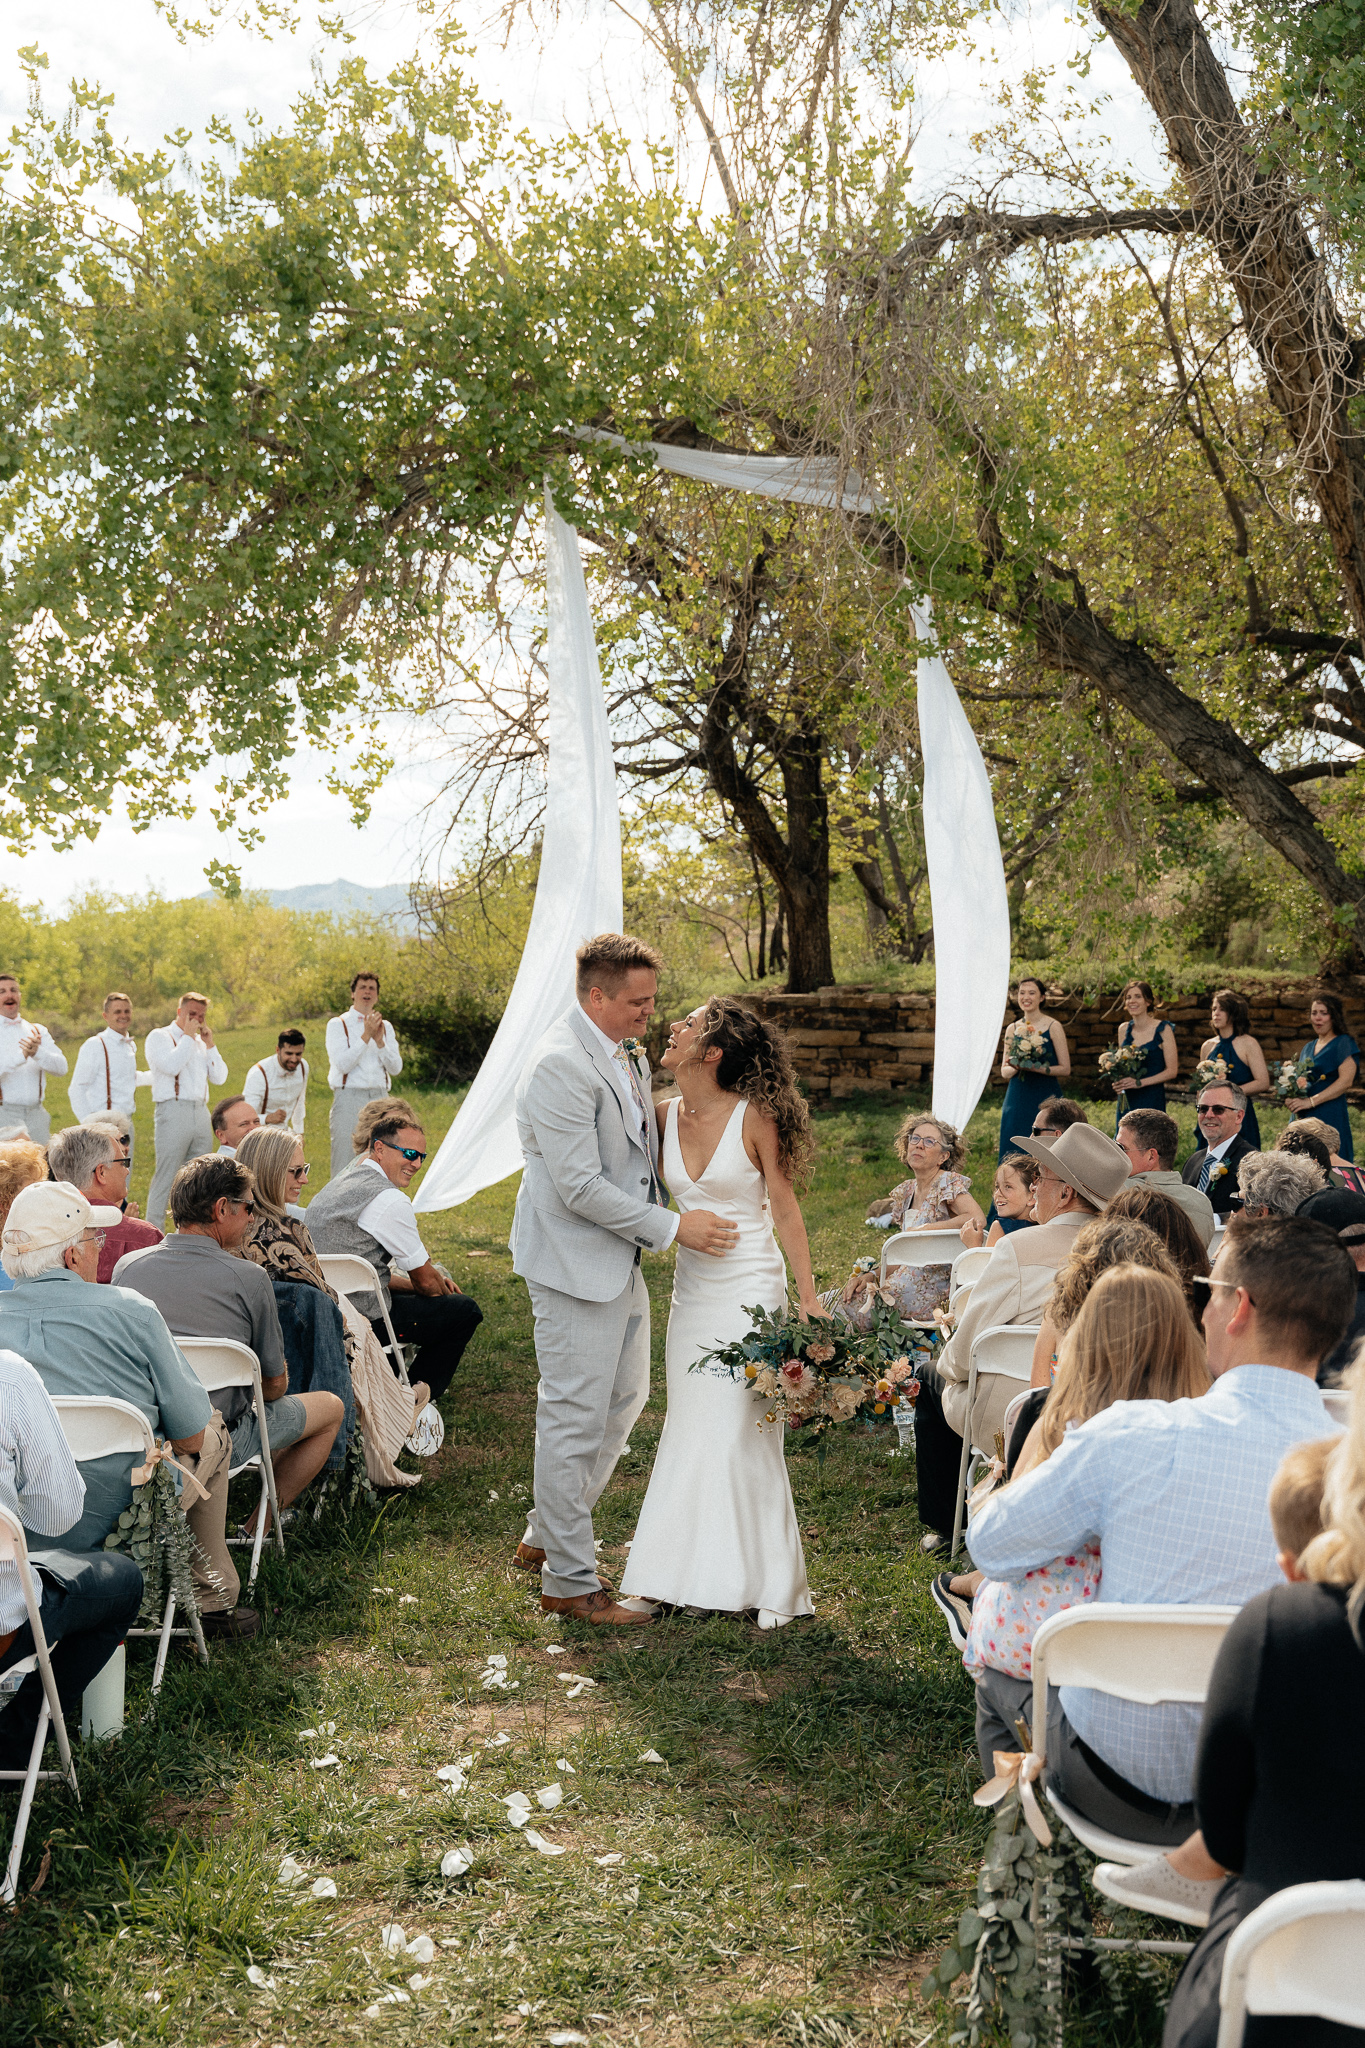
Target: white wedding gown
(718, 1528)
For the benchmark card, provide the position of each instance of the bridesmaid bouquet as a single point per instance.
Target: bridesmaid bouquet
(807, 1375)
(1210, 1073)
(1295, 1077)
(1027, 1051)
(1122, 1062)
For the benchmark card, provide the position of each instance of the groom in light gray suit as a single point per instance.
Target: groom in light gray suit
(590, 1204)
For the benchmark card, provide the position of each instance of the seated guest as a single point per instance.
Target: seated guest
(92, 1159)
(1141, 1203)
(365, 1211)
(935, 1194)
(281, 1243)
(1302, 1144)
(204, 1291)
(1052, 1116)
(85, 1340)
(277, 1088)
(1132, 1341)
(232, 1118)
(1343, 1213)
(1078, 1173)
(1175, 1495)
(1212, 1169)
(378, 1111)
(1278, 1183)
(1150, 1138)
(21, 1163)
(1011, 1198)
(86, 1604)
(1288, 1681)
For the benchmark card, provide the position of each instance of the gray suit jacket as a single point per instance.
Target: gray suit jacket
(583, 1208)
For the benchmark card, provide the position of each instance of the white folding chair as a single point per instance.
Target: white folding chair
(1153, 1655)
(1006, 1349)
(14, 1550)
(347, 1273)
(968, 1266)
(1012, 1415)
(1337, 1402)
(106, 1428)
(1302, 1952)
(220, 1362)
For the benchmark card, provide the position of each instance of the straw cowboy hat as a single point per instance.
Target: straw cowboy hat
(1085, 1159)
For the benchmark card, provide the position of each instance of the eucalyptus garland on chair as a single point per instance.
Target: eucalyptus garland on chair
(154, 1533)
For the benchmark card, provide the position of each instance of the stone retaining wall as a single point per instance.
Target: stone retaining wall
(852, 1038)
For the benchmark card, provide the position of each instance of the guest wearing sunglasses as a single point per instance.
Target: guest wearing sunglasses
(366, 1212)
(1222, 1148)
(204, 1288)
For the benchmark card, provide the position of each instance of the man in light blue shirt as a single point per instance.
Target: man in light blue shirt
(1175, 1493)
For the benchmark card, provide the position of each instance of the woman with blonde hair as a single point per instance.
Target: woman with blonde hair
(1279, 1798)
(935, 1194)
(21, 1164)
(283, 1245)
(1131, 1340)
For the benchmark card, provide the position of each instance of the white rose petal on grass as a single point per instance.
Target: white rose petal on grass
(324, 1888)
(455, 1863)
(562, 1764)
(499, 1741)
(493, 1496)
(574, 1678)
(615, 1856)
(306, 1733)
(256, 1975)
(422, 1948)
(407, 1599)
(550, 1796)
(290, 1871)
(452, 1776)
(566, 2038)
(417, 1982)
(389, 1998)
(555, 1650)
(539, 1843)
(583, 1685)
(392, 1939)
(324, 1763)
(649, 1756)
(498, 1663)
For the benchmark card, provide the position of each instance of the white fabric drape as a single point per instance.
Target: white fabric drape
(966, 889)
(800, 479)
(578, 891)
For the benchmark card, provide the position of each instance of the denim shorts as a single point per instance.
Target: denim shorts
(285, 1419)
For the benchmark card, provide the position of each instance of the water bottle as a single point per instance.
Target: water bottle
(903, 1415)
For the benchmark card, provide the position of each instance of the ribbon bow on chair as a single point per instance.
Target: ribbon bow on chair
(140, 1474)
(1021, 1768)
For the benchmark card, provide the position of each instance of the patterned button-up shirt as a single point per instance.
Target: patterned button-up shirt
(39, 1482)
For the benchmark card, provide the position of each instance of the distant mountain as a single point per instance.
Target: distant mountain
(349, 899)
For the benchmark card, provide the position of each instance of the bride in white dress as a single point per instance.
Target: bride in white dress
(718, 1528)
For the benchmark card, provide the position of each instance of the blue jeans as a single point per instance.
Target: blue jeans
(90, 1601)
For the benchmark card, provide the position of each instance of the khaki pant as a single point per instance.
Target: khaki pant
(347, 1104)
(32, 1115)
(215, 1575)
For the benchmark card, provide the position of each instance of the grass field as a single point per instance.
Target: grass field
(785, 1874)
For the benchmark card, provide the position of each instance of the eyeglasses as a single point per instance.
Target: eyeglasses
(410, 1152)
(1202, 1290)
(1043, 1131)
(915, 1139)
(250, 1207)
(96, 1238)
(299, 1173)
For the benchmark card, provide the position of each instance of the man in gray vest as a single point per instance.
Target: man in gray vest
(365, 1211)
(589, 1204)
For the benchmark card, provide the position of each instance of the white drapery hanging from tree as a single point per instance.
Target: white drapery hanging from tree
(578, 892)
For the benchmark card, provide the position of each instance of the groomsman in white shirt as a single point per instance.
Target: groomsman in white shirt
(277, 1088)
(106, 1074)
(363, 1058)
(27, 1056)
(185, 1064)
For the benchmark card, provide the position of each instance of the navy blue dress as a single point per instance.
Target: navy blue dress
(1025, 1094)
(1240, 1072)
(1326, 1066)
(1153, 1097)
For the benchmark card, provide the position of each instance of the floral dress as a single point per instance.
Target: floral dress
(919, 1290)
(1006, 1616)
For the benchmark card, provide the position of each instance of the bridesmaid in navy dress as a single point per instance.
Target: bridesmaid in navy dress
(1154, 1038)
(1231, 1019)
(1335, 1059)
(1030, 1086)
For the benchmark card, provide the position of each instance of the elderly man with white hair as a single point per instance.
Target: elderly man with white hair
(85, 1340)
(93, 1158)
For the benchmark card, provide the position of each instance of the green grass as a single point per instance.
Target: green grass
(785, 1876)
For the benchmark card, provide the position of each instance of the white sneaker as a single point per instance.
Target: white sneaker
(1157, 1887)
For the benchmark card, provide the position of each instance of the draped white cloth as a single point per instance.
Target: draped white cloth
(966, 890)
(579, 887)
(578, 891)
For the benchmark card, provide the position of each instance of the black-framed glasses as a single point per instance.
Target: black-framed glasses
(408, 1152)
(1216, 1109)
(1041, 1131)
(1202, 1290)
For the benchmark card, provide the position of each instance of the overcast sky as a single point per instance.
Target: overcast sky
(159, 84)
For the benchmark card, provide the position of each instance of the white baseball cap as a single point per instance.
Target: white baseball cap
(47, 1213)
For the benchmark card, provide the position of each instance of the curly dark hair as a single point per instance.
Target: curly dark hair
(756, 1064)
(1307, 1144)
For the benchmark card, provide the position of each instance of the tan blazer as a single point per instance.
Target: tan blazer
(1013, 1289)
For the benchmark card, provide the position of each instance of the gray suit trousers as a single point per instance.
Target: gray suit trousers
(183, 1132)
(347, 1104)
(32, 1115)
(594, 1380)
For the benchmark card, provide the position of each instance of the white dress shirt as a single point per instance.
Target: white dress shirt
(391, 1219)
(183, 1068)
(39, 1480)
(268, 1087)
(612, 1047)
(106, 1074)
(22, 1081)
(353, 1063)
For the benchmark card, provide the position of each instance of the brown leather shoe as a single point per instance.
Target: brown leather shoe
(526, 1558)
(599, 1608)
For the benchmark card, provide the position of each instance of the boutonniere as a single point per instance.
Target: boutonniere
(1219, 1172)
(633, 1048)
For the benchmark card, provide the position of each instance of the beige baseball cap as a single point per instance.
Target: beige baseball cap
(47, 1213)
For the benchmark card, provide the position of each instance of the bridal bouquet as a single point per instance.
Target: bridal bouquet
(1295, 1077)
(1210, 1073)
(808, 1375)
(1122, 1062)
(1029, 1052)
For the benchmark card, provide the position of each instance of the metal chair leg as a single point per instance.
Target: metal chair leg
(163, 1645)
(9, 1890)
(960, 1511)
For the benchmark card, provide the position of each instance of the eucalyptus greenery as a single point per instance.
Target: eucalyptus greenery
(154, 1533)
